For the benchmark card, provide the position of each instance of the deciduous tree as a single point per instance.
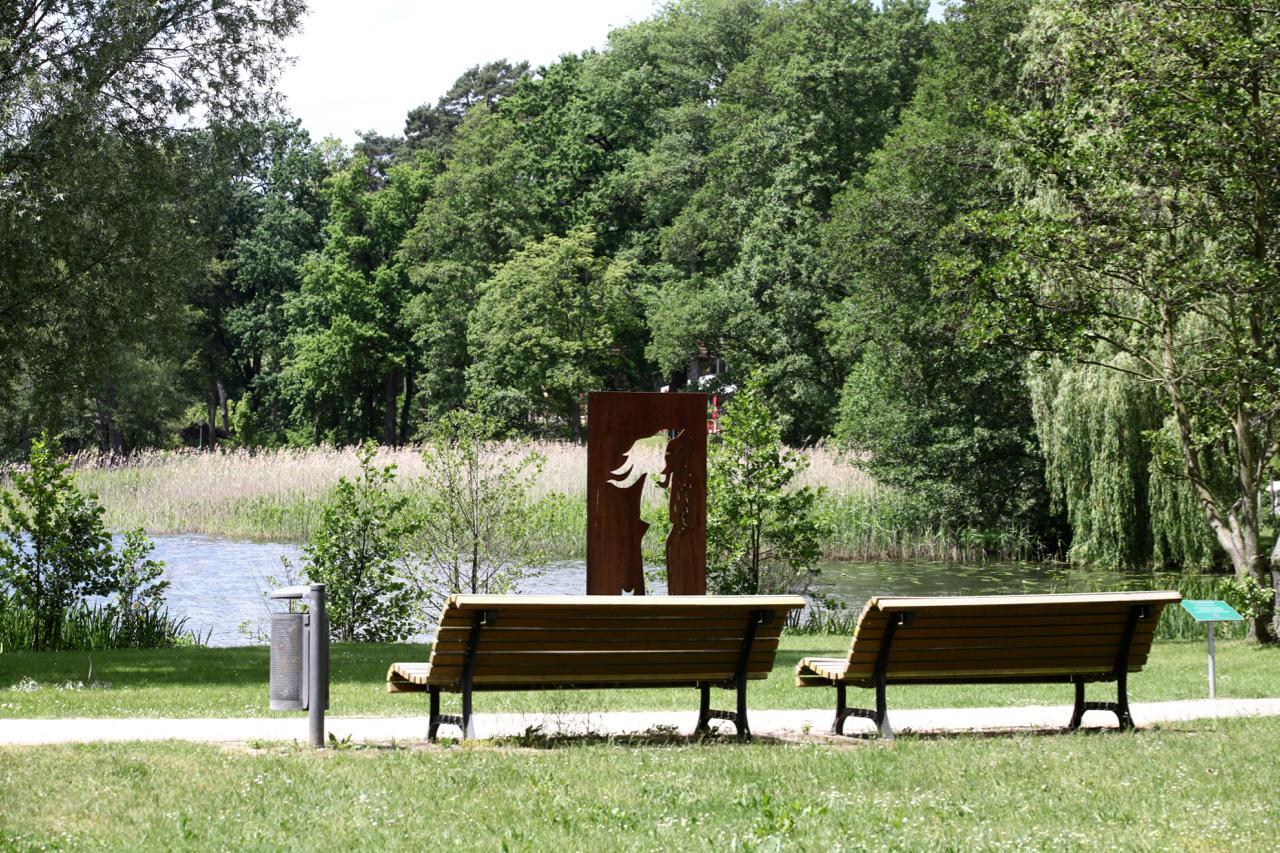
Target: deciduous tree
(1146, 150)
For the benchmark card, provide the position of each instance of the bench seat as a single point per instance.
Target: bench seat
(1071, 638)
(531, 642)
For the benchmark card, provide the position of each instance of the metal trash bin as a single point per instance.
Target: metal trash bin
(299, 665)
(289, 661)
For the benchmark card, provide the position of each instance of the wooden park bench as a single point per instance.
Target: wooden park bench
(1070, 638)
(541, 642)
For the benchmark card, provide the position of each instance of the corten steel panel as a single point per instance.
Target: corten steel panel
(616, 420)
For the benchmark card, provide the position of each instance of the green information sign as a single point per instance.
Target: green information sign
(1211, 611)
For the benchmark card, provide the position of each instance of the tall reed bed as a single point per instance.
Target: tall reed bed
(277, 495)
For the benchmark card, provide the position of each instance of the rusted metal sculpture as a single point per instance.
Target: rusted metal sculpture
(616, 421)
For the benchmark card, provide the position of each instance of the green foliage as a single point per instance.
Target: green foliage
(550, 325)
(476, 214)
(1096, 427)
(948, 422)
(432, 128)
(813, 94)
(1249, 598)
(1142, 151)
(362, 551)
(274, 219)
(347, 345)
(55, 552)
(762, 533)
(106, 205)
(477, 527)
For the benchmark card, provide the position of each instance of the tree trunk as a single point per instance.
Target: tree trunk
(575, 420)
(389, 409)
(37, 604)
(211, 422)
(117, 437)
(222, 402)
(1275, 589)
(1234, 524)
(111, 440)
(404, 407)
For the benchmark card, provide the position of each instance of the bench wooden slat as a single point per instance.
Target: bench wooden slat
(665, 670)
(519, 638)
(994, 644)
(684, 604)
(1011, 658)
(605, 621)
(687, 674)
(995, 638)
(960, 676)
(945, 661)
(1097, 601)
(873, 627)
(681, 678)
(550, 660)
(636, 644)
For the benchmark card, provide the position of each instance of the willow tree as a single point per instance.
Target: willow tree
(1146, 154)
(1101, 433)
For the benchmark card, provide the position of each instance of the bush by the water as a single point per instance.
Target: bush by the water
(477, 536)
(363, 553)
(390, 555)
(56, 553)
(763, 535)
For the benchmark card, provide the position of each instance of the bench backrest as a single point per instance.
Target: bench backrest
(644, 640)
(1005, 635)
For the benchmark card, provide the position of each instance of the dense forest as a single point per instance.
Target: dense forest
(1023, 259)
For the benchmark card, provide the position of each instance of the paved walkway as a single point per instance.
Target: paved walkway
(786, 724)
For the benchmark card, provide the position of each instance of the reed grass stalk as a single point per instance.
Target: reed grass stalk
(277, 496)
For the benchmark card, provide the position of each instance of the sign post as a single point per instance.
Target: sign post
(1211, 613)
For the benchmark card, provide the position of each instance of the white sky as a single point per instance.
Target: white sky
(363, 64)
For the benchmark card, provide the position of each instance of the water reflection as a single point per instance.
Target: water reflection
(854, 583)
(217, 584)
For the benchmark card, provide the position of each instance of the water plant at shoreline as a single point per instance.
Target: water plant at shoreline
(98, 626)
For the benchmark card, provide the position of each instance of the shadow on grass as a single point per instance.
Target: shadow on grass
(535, 737)
(361, 664)
(907, 734)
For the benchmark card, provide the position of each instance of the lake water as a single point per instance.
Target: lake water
(217, 584)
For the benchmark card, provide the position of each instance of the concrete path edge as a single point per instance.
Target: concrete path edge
(787, 724)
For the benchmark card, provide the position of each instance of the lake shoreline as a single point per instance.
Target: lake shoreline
(217, 584)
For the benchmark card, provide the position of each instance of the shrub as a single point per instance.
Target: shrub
(55, 552)
(477, 525)
(362, 551)
(763, 535)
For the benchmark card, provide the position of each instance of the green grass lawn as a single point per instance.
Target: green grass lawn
(199, 682)
(1199, 786)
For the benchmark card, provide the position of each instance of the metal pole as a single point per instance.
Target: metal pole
(1213, 675)
(318, 683)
